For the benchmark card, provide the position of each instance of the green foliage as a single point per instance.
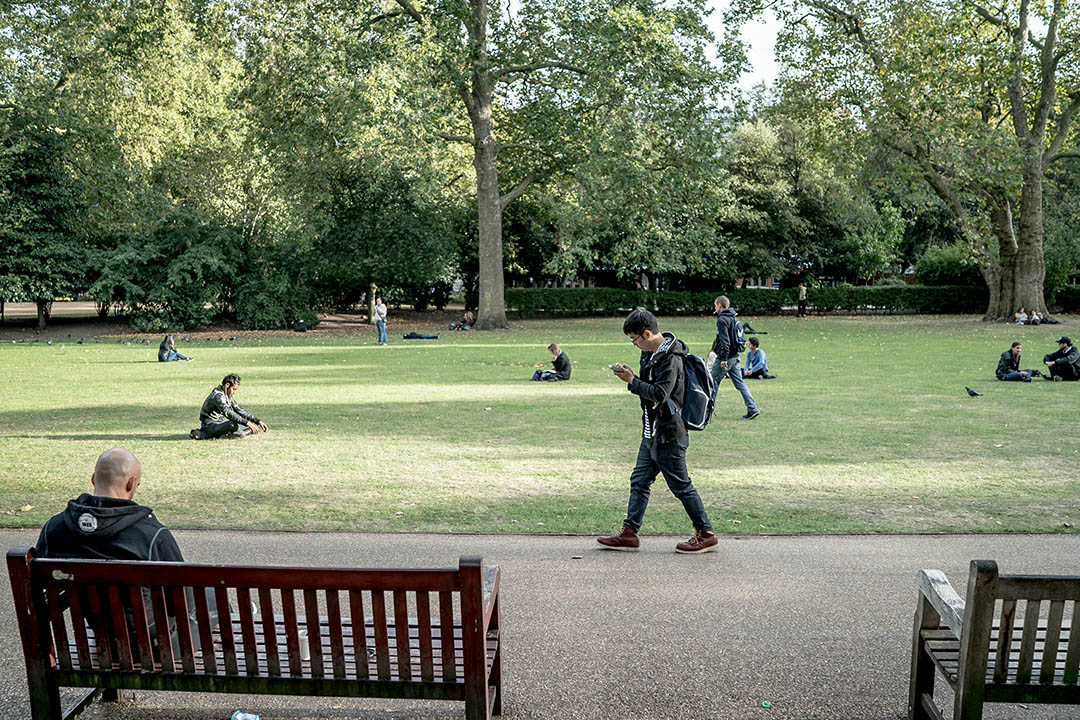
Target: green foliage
(178, 276)
(271, 301)
(1068, 297)
(948, 265)
(42, 254)
(849, 298)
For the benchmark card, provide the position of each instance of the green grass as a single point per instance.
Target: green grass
(867, 428)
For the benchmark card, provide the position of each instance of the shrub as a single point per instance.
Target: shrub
(1068, 297)
(271, 302)
(613, 301)
(948, 265)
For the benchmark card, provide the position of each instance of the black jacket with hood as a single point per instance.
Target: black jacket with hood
(1069, 356)
(562, 366)
(662, 376)
(105, 528)
(729, 335)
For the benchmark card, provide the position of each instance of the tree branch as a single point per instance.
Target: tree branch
(1075, 154)
(456, 138)
(519, 189)
(384, 16)
(524, 146)
(1064, 125)
(408, 7)
(539, 65)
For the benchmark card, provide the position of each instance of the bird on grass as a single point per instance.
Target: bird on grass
(972, 393)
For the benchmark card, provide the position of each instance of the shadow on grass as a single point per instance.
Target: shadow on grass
(117, 437)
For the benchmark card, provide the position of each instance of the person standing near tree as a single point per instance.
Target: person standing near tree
(664, 438)
(802, 300)
(380, 321)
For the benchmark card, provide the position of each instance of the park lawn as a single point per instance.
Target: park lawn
(867, 429)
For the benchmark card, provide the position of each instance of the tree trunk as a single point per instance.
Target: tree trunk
(491, 314)
(42, 313)
(1017, 281)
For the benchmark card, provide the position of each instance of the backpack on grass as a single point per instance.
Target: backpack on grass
(698, 403)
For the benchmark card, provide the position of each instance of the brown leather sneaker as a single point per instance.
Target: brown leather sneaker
(702, 542)
(627, 539)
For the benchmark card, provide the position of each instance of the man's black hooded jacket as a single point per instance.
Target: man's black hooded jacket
(105, 528)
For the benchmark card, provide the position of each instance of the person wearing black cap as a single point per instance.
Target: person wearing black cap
(1065, 363)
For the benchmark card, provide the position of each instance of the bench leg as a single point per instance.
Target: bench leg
(496, 681)
(922, 667)
(45, 700)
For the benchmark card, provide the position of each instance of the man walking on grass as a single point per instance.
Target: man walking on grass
(664, 439)
(724, 356)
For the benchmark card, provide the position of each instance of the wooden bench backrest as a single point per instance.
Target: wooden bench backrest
(1036, 652)
(57, 600)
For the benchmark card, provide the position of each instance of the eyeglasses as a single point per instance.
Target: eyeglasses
(634, 339)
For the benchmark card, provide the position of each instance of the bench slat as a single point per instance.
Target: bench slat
(1053, 638)
(183, 629)
(143, 642)
(1027, 644)
(162, 629)
(112, 572)
(401, 625)
(59, 630)
(269, 633)
(423, 625)
(311, 608)
(118, 611)
(203, 623)
(1004, 646)
(356, 610)
(247, 628)
(446, 630)
(225, 623)
(337, 644)
(382, 643)
(99, 623)
(292, 633)
(1038, 587)
(1072, 655)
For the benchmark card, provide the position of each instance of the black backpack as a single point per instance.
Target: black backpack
(698, 402)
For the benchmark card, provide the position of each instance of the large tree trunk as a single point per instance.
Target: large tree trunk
(1017, 279)
(491, 314)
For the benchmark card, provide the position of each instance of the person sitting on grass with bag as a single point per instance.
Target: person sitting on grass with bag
(221, 416)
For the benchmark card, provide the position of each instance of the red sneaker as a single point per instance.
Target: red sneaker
(627, 539)
(702, 542)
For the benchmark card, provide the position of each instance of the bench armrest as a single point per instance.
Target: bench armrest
(491, 591)
(939, 591)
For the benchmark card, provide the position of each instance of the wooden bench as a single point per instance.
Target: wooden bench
(399, 633)
(1015, 639)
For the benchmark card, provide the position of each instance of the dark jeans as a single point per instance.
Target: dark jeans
(759, 374)
(802, 308)
(212, 431)
(171, 356)
(670, 460)
(1064, 371)
(1016, 376)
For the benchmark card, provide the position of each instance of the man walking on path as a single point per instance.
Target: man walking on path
(380, 321)
(724, 356)
(663, 436)
(221, 416)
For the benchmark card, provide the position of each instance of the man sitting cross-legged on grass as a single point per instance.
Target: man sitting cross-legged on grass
(1065, 363)
(1009, 366)
(221, 416)
(757, 365)
(663, 439)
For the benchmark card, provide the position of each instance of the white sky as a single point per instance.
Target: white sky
(759, 38)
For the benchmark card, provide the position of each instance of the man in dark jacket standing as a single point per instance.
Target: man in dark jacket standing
(724, 356)
(663, 437)
(1065, 363)
(1009, 366)
(220, 415)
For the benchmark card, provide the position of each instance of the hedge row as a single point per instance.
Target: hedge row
(1068, 298)
(614, 301)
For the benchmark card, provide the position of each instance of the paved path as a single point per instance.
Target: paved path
(818, 626)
